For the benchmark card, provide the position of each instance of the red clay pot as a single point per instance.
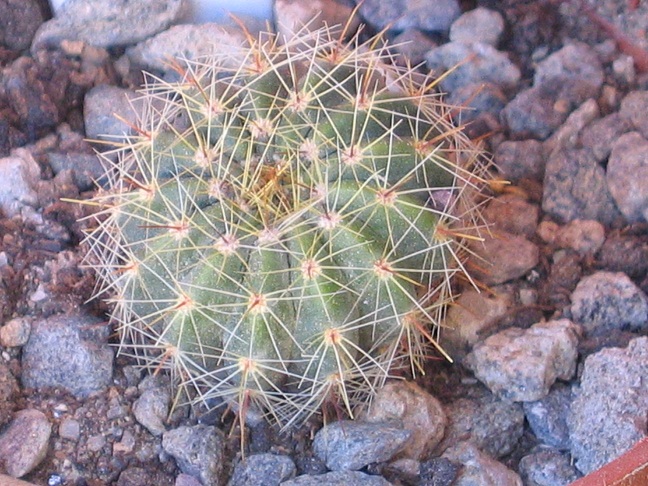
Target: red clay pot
(631, 469)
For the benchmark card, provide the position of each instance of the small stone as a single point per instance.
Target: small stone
(627, 173)
(547, 417)
(292, 16)
(599, 136)
(137, 476)
(405, 403)
(69, 429)
(479, 468)
(520, 159)
(186, 480)
(263, 470)
(548, 231)
(624, 70)
(23, 445)
(109, 112)
(152, 407)
(567, 136)
(15, 332)
(19, 20)
(533, 112)
(439, 471)
(9, 391)
(348, 445)
(624, 253)
(522, 364)
(401, 15)
(338, 478)
(96, 442)
(512, 214)
(411, 46)
(633, 110)
(19, 177)
(609, 300)
(547, 467)
(477, 100)
(126, 444)
(506, 257)
(478, 25)
(198, 450)
(583, 236)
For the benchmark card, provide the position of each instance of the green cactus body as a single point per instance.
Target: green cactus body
(287, 232)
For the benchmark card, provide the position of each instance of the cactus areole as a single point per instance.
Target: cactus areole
(281, 229)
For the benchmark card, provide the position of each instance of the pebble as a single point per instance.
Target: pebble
(479, 468)
(126, 444)
(472, 63)
(608, 414)
(109, 112)
(522, 364)
(567, 136)
(493, 425)
(24, 444)
(19, 176)
(547, 467)
(547, 417)
(292, 16)
(105, 23)
(69, 352)
(583, 236)
(606, 300)
(520, 159)
(152, 407)
(415, 410)
(477, 100)
(624, 253)
(338, 478)
(575, 187)
(19, 20)
(186, 480)
(478, 25)
(69, 429)
(198, 450)
(15, 332)
(348, 446)
(9, 392)
(505, 257)
(263, 470)
(438, 471)
(411, 46)
(137, 476)
(627, 173)
(599, 136)
(634, 107)
(96, 442)
(401, 15)
(512, 214)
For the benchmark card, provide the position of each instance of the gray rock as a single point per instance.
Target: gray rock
(190, 42)
(512, 214)
(69, 352)
(292, 16)
(348, 445)
(535, 113)
(19, 176)
(478, 25)
(547, 467)
(401, 15)
(627, 173)
(186, 480)
(105, 23)
(547, 417)
(198, 450)
(567, 135)
(492, 424)
(477, 99)
(583, 236)
(472, 63)
(609, 300)
(520, 159)
(107, 112)
(138, 476)
(438, 471)
(9, 391)
(69, 429)
(19, 20)
(522, 364)
(338, 478)
(152, 407)
(412, 46)
(575, 188)
(15, 332)
(608, 414)
(23, 445)
(633, 110)
(577, 67)
(505, 257)
(415, 410)
(599, 136)
(479, 468)
(263, 470)
(88, 170)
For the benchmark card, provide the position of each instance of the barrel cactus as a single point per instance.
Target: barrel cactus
(282, 232)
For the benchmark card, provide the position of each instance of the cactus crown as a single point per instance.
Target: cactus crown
(282, 230)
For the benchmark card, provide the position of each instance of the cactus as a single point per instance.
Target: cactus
(283, 234)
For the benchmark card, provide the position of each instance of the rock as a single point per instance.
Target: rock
(109, 112)
(520, 159)
(69, 352)
(609, 300)
(547, 417)
(190, 42)
(505, 257)
(104, 23)
(512, 214)
(292, 16)
(152, 407)
(634, 107)
(198, 450)
(411, 46)
(478, 468)
(338, 478)
(9, 392)
(478, 25)
(493, 425)
(575, 188)
(348, 445)
(473, 313)
(547, 467)
(19, 20)
(186, 480)
(415, 410)
(567, 135)
(583, 236)
(608, 414)
(401, 15)
(521, 365)
(15, 332)
(564, 274)
(599, 136)
(23, 445)
(627, 173)
(624, 253)
(472, 63)
(477, 100)
(137, 476)
(263, 470)
(88, 170)
(438, 472)
(69, 429)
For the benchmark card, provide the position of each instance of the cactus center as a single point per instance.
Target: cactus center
(329, 221)
(226, 245)
(310, 269)
(258, 304)
(383, 269)
(332, 337)
(352, 155)
(386, 197)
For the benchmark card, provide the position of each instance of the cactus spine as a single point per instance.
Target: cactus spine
(284, 233)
